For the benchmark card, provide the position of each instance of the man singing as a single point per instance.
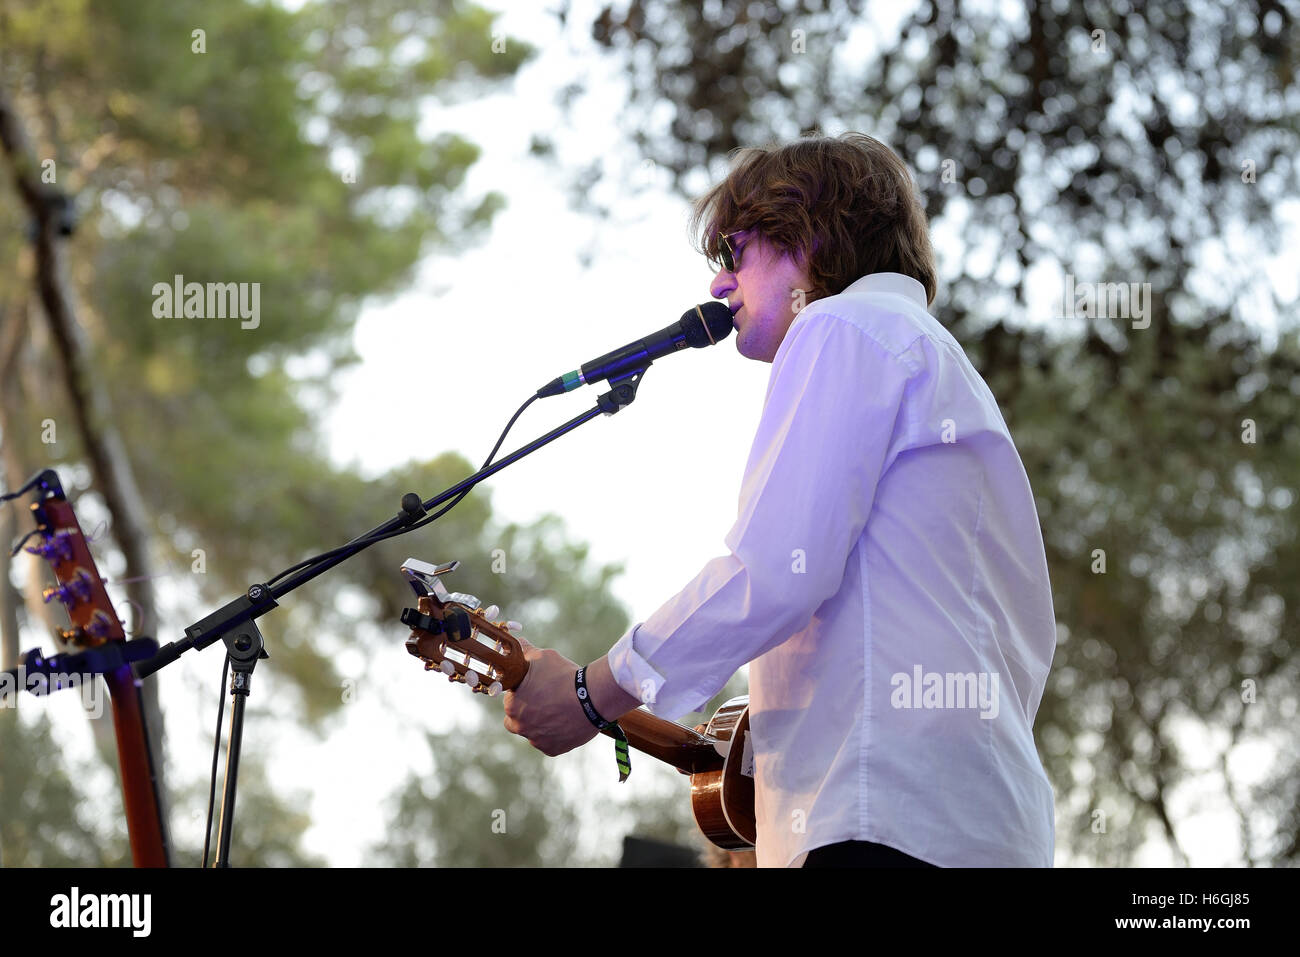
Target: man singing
(885, 578)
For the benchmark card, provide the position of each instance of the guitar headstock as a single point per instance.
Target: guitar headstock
(79, 589)
(451, 633)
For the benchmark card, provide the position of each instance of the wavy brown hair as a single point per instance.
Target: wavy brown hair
(844, 206)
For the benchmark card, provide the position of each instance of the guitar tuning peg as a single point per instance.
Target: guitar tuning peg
(491, 612)
(100, 627)
(447, 668)
(471, 678)
(494, 689)
(70, 593)
(514, 626)
(57, 548)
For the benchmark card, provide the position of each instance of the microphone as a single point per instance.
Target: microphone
(704, 325)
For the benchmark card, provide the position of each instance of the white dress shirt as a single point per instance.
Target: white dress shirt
(887, 579)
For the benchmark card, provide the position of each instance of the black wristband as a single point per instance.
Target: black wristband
(621, 755)
(584, 699)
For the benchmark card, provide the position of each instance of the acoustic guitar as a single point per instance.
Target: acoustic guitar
(102, 648)
(451, 635)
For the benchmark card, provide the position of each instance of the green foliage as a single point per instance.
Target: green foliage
(269, 825)
(291, 152)
(223, 166)
(1124, 142)
(490, 809)
(45, 818)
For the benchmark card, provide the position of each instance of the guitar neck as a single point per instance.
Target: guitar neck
(145, 823)
(684, 748)
(440, 627)
(94, 622)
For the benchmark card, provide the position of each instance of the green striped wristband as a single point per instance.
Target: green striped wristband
(620, 739)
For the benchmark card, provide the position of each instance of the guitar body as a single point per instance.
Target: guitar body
(450, 634)
(722, 800)
(714, 755)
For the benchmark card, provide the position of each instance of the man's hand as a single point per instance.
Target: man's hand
(544, 708)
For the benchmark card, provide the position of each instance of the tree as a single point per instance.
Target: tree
(1106, 143)
(236, 144)
(44, 819)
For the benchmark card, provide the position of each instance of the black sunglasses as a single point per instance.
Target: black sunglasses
(730, 261)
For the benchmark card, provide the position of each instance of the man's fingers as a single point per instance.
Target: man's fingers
(512, 726)
(492, 612)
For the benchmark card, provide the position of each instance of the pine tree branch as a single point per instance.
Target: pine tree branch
(51, 214)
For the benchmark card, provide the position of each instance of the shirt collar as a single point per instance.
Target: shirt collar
(893, 282)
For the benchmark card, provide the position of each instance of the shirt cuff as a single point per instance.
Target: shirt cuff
(640, 679)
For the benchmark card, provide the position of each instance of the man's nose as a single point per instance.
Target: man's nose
(723, 283)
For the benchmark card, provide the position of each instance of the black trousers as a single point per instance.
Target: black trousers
(860, 854)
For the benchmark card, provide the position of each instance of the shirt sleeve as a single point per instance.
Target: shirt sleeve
(826, 435)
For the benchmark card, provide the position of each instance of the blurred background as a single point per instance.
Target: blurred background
(445, 205)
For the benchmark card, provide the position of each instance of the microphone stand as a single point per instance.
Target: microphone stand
(235, 622)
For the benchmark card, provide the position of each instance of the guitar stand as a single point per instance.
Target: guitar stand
(100, 660)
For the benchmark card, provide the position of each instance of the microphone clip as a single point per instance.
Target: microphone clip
(624, 391)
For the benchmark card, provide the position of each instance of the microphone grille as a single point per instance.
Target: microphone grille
(706, 324)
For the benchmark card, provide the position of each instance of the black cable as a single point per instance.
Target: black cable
(216, 748)
(324, 556)
(367, 541)
(31, 483)
(23, 541)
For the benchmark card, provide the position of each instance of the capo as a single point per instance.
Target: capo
(456, 626)
(414, 619)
